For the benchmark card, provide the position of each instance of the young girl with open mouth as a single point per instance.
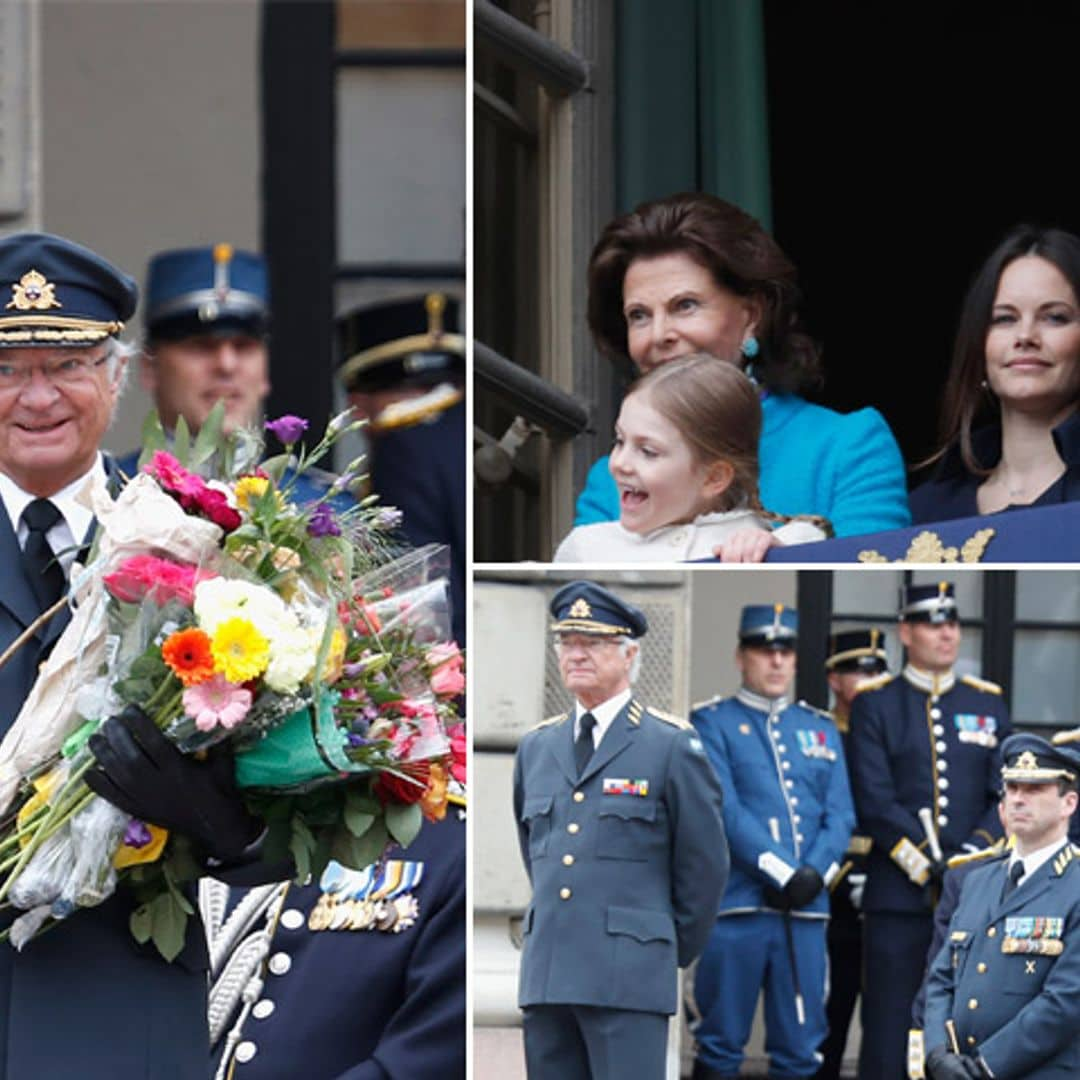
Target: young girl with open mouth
(685, 465)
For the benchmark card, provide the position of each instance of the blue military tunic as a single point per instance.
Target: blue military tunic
(787, 804)
(917, 741)
(1009, 972)
(627, 863)
(361, 998)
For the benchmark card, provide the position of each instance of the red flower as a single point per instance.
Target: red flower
(459, 752)
(390, 788)
(188, 654)
(213, 504)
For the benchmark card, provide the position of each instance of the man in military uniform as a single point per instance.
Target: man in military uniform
(61, 370)
(1003, 995)
(403, 368)
(789, 816)
(207, 321)
(853, 657)
(621, 828)
(925, 775)
(358, 975)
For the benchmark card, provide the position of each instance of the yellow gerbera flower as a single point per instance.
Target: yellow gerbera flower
(249, 489)
(240, 651)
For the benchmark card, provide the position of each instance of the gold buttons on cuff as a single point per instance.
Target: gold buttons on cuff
(564, 893)
(579, 796)
(981, 968)
(992, 932)
(568, 860)
(573, 827)
(972, 1004)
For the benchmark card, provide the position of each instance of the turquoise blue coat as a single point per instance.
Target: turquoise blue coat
(846, 467)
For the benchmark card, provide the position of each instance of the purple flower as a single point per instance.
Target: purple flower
(390, 517)
(323, 522)
(136, 834)
(287, 428)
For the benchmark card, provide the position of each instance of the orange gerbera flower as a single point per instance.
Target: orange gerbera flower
(189, 655)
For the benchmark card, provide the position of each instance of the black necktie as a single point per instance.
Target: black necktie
(1016, 872)
(583, 744)
(43, 569)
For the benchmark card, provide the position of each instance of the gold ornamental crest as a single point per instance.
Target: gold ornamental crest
(33, 293)
(580, 609)
(1026, 760)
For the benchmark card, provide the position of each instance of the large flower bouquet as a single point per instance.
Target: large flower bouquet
(227, 611)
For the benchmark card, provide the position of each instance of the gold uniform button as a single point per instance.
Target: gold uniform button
(573, 827)
(972, 1004)
(992, 932)
(971, 1040)
(564, 892)
(981, 969)
(579, 796)
(568, 860)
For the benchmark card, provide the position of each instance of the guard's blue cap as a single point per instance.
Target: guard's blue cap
(584, 607)
(769, 626)
(409, 342)
(857, 650)
(1030, 759)
(61, 293)
(196, 292)
(928, 603)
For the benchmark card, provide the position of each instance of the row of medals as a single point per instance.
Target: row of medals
(377, 898)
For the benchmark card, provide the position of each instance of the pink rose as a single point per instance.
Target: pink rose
(160, 580)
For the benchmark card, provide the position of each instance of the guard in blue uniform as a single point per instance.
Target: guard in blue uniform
(926, 741)
(206, 324)
(62, 999)
(1003, 994)
(789, 817)
(853, 656)
(621, 828)
(359, 976)
(403, 367)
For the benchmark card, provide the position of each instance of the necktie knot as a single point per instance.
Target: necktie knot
(1017, 872)
(40, 515)
(587, 723)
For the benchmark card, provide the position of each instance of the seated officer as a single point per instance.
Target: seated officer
(360, 975)
(853, 657)
(788, 814)
(1003, 994)
(403, 367)
(207, 320)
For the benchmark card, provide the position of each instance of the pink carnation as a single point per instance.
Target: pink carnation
(459, 749)
(213, 504)
(173, 477)
(160, 580)
(447, 680)
(217, 701)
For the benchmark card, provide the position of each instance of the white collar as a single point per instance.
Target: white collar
(761, 703)
(604, 713)
(928, 682)
(75, 518)
(1034, 859)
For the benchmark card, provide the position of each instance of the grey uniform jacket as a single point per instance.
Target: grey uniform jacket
(628, 863)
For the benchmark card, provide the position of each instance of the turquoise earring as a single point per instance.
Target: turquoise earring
(750, 347)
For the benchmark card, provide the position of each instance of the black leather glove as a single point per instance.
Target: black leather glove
(937, 871)
(943, 1064)
(803, 886)
(142, 773)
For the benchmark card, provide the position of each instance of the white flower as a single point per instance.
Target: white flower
(292, 658)
(220, 599)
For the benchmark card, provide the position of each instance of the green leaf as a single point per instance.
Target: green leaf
(404, 821)
(358, 816)
(301, 846)
(168, 923)
(182, 442)
(153, 438)
(141, 924)
(356, 852)
(275, 467)
(209, 439)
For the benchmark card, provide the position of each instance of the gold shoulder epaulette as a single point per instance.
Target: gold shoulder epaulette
(876, 683)
(994, 851)
(1060, 738)
(707, 702)
(981, 684)
(668, 718)
(1067, 855)
(552, 720)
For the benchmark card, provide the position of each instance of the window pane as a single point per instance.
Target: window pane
(870, 592)
(1046, 677)
(1048, 596)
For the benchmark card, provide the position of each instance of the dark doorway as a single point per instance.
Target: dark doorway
(905, 139)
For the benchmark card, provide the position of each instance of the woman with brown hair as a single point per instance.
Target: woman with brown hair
(693, 273)
(685, 465)
(1010, 428)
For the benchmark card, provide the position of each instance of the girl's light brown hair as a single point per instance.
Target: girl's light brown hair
(717, 410)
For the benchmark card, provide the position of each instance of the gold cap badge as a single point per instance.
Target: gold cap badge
(33, 293)
(580, 609)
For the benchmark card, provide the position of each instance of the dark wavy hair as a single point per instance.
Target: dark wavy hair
(966, 404)
(738, 253)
